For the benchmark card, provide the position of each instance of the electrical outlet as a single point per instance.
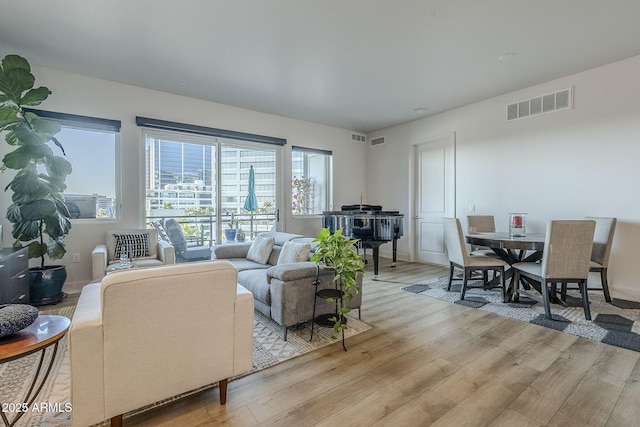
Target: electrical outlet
(76, 257)
(472, 208)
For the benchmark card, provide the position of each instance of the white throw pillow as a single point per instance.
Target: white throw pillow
(294, 252)
(260, 249)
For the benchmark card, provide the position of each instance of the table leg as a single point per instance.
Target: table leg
(30, 397)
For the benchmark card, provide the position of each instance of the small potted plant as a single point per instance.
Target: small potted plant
(336, 252)
(230, 233)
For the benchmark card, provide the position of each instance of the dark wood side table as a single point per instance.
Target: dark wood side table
(45, 332)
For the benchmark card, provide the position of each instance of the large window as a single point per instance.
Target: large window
(90, 145)
(91, 187)
(204, 183)
(311, 172)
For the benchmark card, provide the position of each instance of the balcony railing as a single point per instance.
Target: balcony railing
(203, 229)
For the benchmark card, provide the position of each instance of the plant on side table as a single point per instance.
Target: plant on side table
(38, 206)
(336, 252)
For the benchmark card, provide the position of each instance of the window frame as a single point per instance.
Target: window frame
(328, 178)
(92, 124)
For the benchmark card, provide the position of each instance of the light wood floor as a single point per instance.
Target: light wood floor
(428, 362)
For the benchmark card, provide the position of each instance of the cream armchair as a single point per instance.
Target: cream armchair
(106, 256)
(141, 336)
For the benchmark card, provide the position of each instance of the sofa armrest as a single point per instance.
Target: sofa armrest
(292, 271)
(85, 357)
(234, 250)
(166, 252)
(243, 331)
(99, 261)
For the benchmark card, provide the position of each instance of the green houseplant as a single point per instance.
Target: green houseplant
(38, 207)
(336, 252)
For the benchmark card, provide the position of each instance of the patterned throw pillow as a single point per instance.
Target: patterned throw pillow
(260, 249)
(134, 244)
(294, 252)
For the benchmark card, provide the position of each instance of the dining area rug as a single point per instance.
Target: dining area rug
(269, 349)
(617, 325)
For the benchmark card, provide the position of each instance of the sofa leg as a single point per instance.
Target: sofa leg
(285, 333)
(223, 390)
(116, 421)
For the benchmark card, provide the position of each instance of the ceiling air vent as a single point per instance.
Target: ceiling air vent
(377, 141)
(358, 137)
(556, 101)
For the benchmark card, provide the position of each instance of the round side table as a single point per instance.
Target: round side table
(45, 332)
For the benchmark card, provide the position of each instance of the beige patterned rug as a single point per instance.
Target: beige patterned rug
(49, 409)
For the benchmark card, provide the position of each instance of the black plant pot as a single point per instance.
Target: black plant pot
(45, 284)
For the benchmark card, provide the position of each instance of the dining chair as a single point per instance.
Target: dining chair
(459, 257)
(481, 224)
(602, 242)
(565, 259)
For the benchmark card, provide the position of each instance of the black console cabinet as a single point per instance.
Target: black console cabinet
(14, 276)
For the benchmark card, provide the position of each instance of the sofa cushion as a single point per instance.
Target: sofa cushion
(256, 282)
(242, 264)
(135, 245)
(281, 237)
(294, 252)
(260, 249)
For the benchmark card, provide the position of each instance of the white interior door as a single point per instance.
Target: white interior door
(434, 196)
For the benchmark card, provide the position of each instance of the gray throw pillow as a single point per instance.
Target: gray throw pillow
(260, 249)
(294, 252)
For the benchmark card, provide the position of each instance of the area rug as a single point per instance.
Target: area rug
(615, 325)
(50, 407)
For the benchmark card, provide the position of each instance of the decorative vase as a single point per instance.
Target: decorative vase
(517, 226)
(240, 235)
(45, 284)
(230, 234)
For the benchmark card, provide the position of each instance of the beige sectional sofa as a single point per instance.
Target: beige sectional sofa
(283, 291)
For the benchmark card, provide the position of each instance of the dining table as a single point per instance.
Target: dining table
(528, 248)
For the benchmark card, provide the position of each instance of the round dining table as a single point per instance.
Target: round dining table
(528, 248)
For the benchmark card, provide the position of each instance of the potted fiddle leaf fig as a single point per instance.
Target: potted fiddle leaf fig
(38, 208)
(336, 252)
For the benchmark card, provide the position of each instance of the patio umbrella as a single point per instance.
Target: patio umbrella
(251, 202)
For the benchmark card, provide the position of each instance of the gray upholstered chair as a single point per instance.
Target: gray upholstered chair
(185, 251)
(566, 259)
(481, 224)
(602, 242)
(459, 257)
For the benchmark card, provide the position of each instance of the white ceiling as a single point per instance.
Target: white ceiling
(357, 64)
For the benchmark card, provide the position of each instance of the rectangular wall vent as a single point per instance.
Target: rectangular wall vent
(556, 101)
(358, 137)
(377, 141)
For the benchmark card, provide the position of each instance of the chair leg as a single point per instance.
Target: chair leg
(463, 289)
(544, 291)
(450, 276)
(515, 280)
(605, 284)
(563, 292)
(116, 421)
(502, 284)
(223, 390)
(585, 299)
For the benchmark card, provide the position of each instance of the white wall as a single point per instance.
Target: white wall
(77, 94)
(567, 164)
